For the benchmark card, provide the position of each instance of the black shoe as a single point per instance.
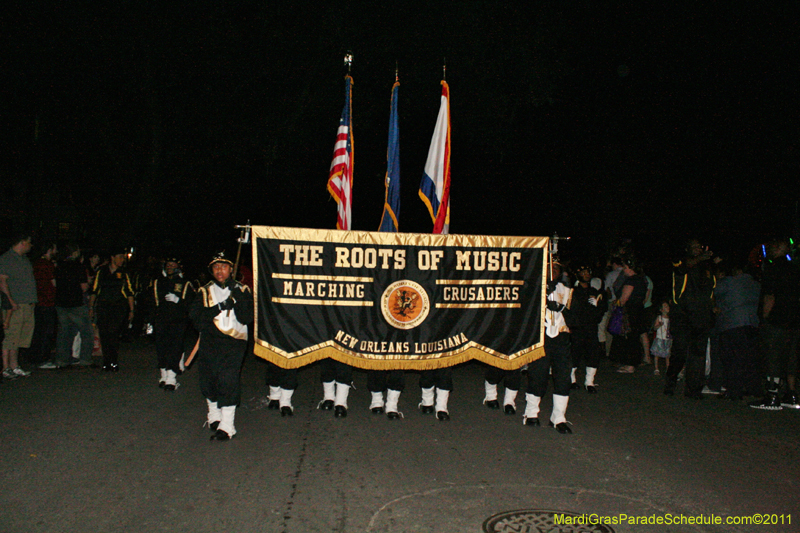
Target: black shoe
(213, 426)
(326, 405)
(591, 389)
(220, 435)
(509, 409)
(575, 386)
(493, 404)
(561, 427)
(426, 409)
(770, 402)
(377, 410)
(287, 411)
(114, 367)
(170, 387)
(790, 400)
(393, 415)
(161, 384)
(443, 416)
(340, 411)
(533, 422)
(106, 368)
(274, 405)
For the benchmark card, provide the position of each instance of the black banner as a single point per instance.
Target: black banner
(397, 300)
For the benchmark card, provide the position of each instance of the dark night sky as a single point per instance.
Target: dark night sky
(164, 124)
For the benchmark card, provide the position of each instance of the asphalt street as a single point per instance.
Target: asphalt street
(89, 451)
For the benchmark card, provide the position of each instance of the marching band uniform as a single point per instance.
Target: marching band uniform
(221, 312)
(392, 382)
(282, 383)
(556, 359)
(492, 377)
(112, 303)
(586, 315)
(442, 380)
(171, 294)
(336, 379)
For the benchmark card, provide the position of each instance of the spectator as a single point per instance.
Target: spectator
(73, 313)
(781, 326)
(44, 270)
(737, 297)
(625, 349)
(19, 286)
(691, 314)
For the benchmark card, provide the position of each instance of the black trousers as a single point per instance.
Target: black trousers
(285, 378)
(170, 341)
(738, 351)
(44, 332)
(586, 348)
(220, 361)
(558, 359)
(380, 380)
(333, 370)
(512, 378)
(441, 378)
(689, 350)
(112, 321)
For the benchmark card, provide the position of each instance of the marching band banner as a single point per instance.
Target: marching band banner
(382, 301)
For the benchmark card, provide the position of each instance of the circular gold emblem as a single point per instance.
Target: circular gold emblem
(405, 304)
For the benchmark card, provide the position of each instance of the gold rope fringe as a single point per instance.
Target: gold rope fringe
(403, 364)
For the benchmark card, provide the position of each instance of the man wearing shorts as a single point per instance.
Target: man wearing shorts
(19, 286)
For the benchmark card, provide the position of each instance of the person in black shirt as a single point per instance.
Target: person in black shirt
(588, 308)
(691, 318)
(171, 294)
(780, 327)
(220, 312)
(111, 305)
(73, 314)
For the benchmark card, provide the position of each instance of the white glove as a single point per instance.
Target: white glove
(593, 301)
(172, 298)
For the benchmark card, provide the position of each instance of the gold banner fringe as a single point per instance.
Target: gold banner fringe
(395, 364)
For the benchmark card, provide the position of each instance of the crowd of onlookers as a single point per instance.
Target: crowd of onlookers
(725, 326)
(728, 326)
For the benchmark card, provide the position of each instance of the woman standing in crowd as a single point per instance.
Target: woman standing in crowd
(626, 348)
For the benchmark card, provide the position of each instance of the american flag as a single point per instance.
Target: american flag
(340, 178)
(435, 187)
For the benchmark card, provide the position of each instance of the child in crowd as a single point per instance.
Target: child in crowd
(662, 345)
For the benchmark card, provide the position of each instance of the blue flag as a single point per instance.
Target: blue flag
(391, 204)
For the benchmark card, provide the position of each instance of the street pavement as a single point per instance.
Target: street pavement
(88, 451)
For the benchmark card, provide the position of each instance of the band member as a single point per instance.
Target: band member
(586, 315)
(282, 383)
(336, 380)
(391, 382)
(111, 306)
(441, 380)
(512, 378)
(556, 359)
(221, 312)
(172, 295)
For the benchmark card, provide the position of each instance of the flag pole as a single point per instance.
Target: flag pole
(348, 61)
